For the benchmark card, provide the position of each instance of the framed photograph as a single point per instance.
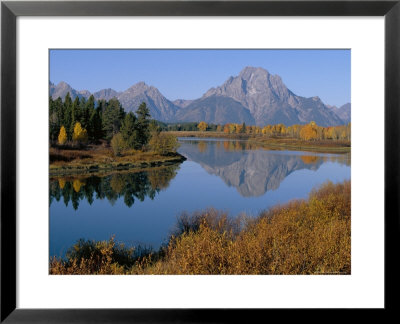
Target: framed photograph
(195, 161)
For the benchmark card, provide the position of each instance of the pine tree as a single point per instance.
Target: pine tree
(243, 129)
(84, 112)
(129, 130)
(67, 120)
(113, 115)
(143, 122)
(53, 120)
(90, 116)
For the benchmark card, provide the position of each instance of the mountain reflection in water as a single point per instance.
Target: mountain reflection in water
(250, 169)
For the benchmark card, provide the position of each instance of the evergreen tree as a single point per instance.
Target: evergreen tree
(129, 130)
(67, 118)
(85, 115)
(243, 129)
(143, 122)
(113, 115)
(54, 124)
(96, 124)
(90, 115)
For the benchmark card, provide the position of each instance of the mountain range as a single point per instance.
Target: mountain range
(255, 97)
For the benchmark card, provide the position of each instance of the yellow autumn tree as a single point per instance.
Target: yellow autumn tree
(62, 136)
(80, 134)
(77, 184)
(61, 183)
(309, 132)
(202, 126)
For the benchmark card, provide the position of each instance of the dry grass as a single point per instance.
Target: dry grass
(100, 157)
(302, 237)
(290, 143)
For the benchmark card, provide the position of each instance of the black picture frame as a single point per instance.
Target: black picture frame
(10, 10)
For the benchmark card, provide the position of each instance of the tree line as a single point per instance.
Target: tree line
(308, 132)
(101, 120)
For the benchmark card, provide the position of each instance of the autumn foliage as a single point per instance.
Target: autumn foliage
(62, 137)
(202, 126)
(80, 134)
(308, 132)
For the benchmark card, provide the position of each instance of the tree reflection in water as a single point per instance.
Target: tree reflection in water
(129, 185)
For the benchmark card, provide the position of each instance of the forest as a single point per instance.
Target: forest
(79, 129)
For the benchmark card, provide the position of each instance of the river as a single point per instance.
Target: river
(141, 208)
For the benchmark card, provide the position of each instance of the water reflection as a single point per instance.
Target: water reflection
(221, 174)
(130, 186)
(252, 170)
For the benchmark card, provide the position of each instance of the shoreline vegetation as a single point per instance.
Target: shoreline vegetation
(104, 138)
(309, 137)
(310, 236)
(100, 159)
(275, 142)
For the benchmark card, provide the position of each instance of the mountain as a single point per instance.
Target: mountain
(182, 103)
(105, 94)
(160, 107)
(271, 102)
(254, 96)
(344, 112)
(216, 110)
(61, 90)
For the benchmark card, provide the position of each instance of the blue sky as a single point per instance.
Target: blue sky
(188, 74)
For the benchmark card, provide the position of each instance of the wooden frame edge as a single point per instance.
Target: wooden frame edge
(9, 13)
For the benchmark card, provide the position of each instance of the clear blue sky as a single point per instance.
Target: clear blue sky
(188, 74)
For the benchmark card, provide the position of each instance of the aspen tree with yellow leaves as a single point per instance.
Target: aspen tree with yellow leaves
(80, 134)
(62, 136)
(202, 126)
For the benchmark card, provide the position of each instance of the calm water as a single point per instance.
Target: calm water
(142, 207)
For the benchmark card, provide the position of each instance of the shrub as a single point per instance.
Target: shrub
(117, 144)
(103, 257)
(163, 143)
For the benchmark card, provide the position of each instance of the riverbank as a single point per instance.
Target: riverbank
(96, 159)
(284, 143)
(310, 236)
